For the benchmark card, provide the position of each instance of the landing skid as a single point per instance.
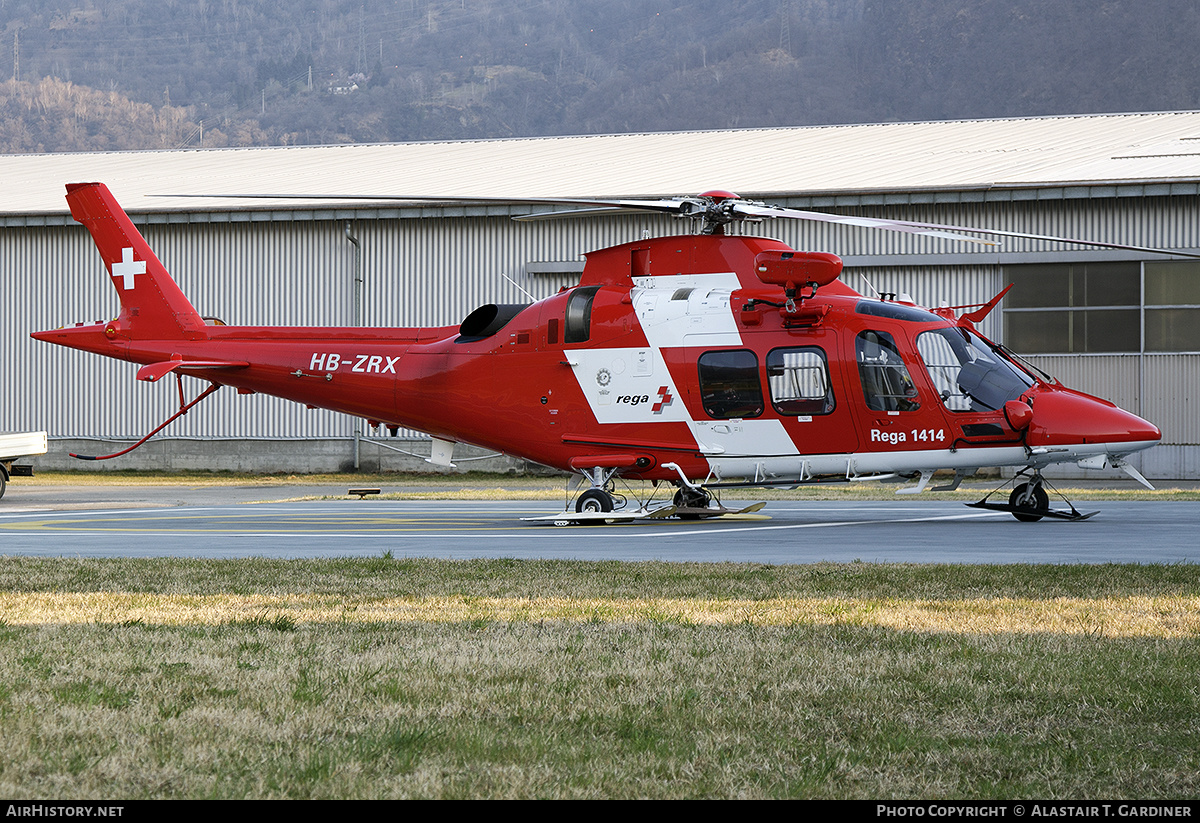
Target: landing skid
(691, 512)
(1029, 503)
(1017, 511)
(568, 517)
(601, 503)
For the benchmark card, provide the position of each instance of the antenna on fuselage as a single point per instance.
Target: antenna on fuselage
(519, 286)
(870, 285)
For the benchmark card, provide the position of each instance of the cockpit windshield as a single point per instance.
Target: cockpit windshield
(969, 374)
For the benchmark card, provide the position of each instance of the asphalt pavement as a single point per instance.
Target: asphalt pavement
(305, 520)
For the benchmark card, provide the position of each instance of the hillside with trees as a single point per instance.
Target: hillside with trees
(128, 74)
(52, 115)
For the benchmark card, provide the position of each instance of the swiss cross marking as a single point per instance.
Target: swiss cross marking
(664, 399)
(127, 268)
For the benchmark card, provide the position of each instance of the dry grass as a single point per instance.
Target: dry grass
(454, 679)
(1168, 616)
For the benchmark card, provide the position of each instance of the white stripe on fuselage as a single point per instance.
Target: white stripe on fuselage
(632, 385)
(627, 385)
(673, 308)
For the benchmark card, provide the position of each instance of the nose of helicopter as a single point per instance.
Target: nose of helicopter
(1065, 417)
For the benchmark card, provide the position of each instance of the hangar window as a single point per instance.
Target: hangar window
(886, 383)
(799, 381)
(1084, 308)
(1073, 308)
(1173, 306)
(729, 384)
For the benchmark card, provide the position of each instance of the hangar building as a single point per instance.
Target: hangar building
(1119, 324)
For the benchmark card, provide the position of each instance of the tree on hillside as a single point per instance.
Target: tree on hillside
(54, 115)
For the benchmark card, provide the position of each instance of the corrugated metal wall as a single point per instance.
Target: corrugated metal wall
(428, 271)
(1115, 377)
(55, 277)
(416, 272)
(1172, 392)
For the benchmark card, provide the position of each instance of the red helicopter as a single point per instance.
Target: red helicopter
(697, 362)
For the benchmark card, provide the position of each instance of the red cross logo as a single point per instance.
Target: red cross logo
(127, 268)
(664, 399)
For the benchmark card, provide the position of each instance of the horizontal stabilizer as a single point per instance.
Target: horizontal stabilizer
(156, 371)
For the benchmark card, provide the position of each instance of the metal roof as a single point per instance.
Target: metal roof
(962, 156)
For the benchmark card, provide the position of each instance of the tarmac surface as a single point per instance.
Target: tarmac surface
(255, 521)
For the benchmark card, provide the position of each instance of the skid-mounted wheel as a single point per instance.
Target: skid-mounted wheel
(1029, 502)
(687, 498)
(594, 501)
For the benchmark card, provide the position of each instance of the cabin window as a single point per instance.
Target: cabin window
(967, 373)
(578, 327)
(799, 381)
(729, 384)
(886, 383)
(896, 311)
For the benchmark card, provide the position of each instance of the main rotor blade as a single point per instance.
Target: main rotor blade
(928, 230)
(940, 230)
(675, 206)
(567, 213)
(701, 207)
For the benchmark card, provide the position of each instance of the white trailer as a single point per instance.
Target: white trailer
(15, 446)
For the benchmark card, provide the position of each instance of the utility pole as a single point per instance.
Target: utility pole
(362, 43)
(785, 26)
(16, 55)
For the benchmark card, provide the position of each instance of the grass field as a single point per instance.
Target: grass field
(388, 678)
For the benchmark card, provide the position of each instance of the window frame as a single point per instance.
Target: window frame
(995, 372)
(828, 402)
(875, 401)
(736, 402)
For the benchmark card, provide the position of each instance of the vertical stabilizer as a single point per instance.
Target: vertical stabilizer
(152, 306)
